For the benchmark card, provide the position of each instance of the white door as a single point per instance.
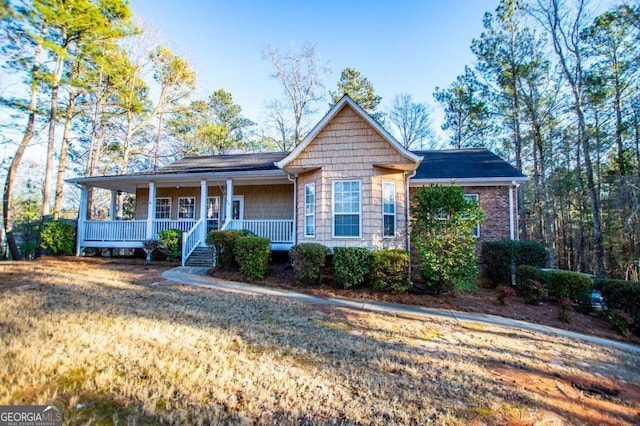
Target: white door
(237, 209)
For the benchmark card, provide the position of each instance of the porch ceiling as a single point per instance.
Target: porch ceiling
(129, 183)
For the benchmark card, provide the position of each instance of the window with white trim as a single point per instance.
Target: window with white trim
(163, 208)
(213, 212)
(346, 208)
(388, 209)
(467, 197)
(186, 207)
(310, 210)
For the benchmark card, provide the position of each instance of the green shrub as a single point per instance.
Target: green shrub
(390, 270)
(498, 257)
(571, 285)
(442, 230)
(620, 321)
(351, 265)
(252, 254)
(58, 238)
(223, 244)
(526, 272)
(308, 259)
(171, 244)
(532, 291)
(622, 295)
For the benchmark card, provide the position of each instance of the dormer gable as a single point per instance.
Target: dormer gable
(348, 130)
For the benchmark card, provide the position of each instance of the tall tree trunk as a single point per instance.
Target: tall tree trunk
(64, 153)
(156, 156)
(46, 197)
(17, 158)
(574, 76)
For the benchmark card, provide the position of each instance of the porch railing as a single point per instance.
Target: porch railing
(278, 231)
(191, 239)
(185, 225)
(115, 230)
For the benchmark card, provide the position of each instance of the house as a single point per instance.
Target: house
(348, 183)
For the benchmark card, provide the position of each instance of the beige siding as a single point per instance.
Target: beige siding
(266, 201)
(260, 201)
(347, 149)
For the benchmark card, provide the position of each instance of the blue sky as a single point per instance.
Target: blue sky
(407, 46)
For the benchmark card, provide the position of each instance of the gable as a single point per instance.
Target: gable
(345, 133)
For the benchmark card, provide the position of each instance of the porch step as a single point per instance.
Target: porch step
(201, 256)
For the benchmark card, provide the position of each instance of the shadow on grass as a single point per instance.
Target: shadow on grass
(429, 376)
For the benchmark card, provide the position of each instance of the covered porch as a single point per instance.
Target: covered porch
(194, 203)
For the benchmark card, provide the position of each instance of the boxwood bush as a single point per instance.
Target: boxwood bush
(252, 254)
(499, 256)
(571, 285)
(351, 265)
(308, 259)
(623, 296)
(390, 270)
(171, 244)
(223, 244)
(58, 237)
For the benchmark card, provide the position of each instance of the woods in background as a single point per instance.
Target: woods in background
(555, 89)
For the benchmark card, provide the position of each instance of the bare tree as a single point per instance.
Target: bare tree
(413, 121)
(300, 74)
(564, 25)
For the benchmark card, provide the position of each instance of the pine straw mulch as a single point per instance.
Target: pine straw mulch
(484, 300)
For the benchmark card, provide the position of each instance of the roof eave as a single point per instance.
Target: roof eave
(474, 181)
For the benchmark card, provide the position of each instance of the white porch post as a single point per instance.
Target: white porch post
(151, 210)
(82, 217)
(229, 203)
(204, 191)
(114, 204)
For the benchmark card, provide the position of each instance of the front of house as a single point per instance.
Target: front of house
(348, 183)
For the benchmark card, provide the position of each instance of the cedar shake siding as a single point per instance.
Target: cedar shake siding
(348, 148)
(267, 202)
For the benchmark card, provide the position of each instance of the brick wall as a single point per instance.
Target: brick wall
(494, 202)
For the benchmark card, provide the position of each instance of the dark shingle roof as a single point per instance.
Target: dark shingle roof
(223, 163)
(464, 163)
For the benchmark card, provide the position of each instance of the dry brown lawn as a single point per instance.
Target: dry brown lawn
(113, 343)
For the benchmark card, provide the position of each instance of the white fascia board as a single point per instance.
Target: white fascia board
(330, 115)
(488, 181)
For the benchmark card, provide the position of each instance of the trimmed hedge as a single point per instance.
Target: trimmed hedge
(527, 272)
(351, 265)
(499, 256)
(58, 237)
(223, 244)
(252, 254)
(308, 259)
(571, 285)
(390, 270)
(171, 244)
(622, 295)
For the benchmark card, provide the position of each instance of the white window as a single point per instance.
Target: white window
(310, 210)
(163, 208)
(213, 213)
(186, 207)
(388, 209)
(346, 208)
(476, 231)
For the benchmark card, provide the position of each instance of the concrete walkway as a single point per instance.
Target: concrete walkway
(197, 277)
